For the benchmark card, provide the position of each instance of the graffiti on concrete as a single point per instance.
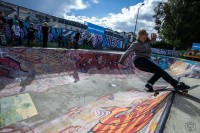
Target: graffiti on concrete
(5, 73)
(113, 42)
(128, 119)
(124, 115)
(178, 67)
(99, 61)
(71, 129)
(10, 129)
(9, 65)
(163, 52)
(112, 114)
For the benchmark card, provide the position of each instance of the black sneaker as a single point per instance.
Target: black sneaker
(181, 86)
(149, 87)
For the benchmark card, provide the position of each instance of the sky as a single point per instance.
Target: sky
(118, 15)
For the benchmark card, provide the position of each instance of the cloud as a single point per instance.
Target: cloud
(67, 6)
(95, 1)
(126, 19)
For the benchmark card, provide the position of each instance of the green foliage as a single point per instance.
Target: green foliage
(177, 22)
(162, 45)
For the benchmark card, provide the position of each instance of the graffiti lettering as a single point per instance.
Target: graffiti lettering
(71, 129)
(113, 42)
(122, 119)
(91, 60)
(75, 111)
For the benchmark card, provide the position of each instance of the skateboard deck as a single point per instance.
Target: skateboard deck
(172, 89)
(184, 92)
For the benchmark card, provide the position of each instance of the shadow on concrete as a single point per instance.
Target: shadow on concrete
(182, 103)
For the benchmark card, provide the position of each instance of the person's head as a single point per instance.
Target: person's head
(142, 35)
(16, 17)
(16, 23)
(45, 24)
(31, 25)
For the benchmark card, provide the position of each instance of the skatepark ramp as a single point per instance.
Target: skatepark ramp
(84, 91)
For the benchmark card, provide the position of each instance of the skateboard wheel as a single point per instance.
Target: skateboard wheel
(185, 92)
(156, 93)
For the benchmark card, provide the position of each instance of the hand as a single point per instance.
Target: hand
(153, 37)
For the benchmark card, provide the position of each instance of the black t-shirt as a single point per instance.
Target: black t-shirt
(45, 30)
(31, 33)
(60, 38)
(77, 36)
(2, 22)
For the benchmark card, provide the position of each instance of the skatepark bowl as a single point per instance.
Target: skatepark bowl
(84, 91)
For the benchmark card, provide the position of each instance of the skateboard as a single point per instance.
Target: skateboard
(184, 92)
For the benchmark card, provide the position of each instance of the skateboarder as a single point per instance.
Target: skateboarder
(142, 55)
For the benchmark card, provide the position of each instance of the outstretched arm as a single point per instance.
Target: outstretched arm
(127, 53)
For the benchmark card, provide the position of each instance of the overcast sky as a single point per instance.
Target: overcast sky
(119, 15)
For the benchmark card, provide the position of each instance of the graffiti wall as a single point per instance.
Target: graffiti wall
(46, 65)
(59, 26)
(84, 61)
(86, 38)
(163, 52)
(16, 61)
(178, 67)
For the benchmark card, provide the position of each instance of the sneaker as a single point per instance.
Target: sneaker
(149, 87)
(181, 86)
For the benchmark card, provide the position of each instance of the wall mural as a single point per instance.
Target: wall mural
(83, 61)
(9, 65)
(86, 38)
(163, 52)
(178, 67)
(113, 42)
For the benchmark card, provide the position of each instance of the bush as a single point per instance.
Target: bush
(162, 45)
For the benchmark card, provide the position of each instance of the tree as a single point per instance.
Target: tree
(178, 22)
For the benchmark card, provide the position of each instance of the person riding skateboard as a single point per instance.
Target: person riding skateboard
(142, 55)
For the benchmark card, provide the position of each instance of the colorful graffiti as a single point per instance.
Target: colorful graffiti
(127, 119)
(178, 67)
(86, 38)
(99, 61)
(52, 61)
(72, 129)
(16, 108)
(8, 65)
(163, 52)
(109, 115)
(113, 42)
(130, 111)
(91, 39)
